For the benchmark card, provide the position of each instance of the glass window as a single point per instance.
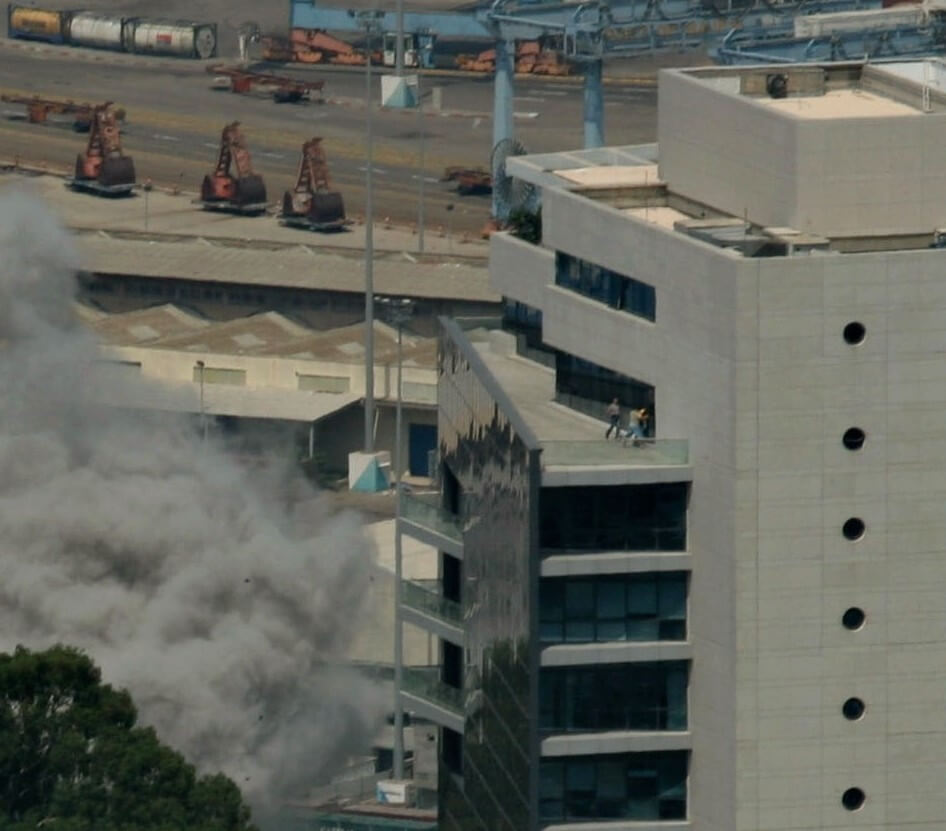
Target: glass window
(643, 607)
(580, 788)
(638, 696)
(616, 290)
(614, 517)
(636, 786)
(589, 388)
(551, 805)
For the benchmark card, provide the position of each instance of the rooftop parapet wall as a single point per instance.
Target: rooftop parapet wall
(837, 161)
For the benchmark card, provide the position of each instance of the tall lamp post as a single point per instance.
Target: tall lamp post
(203, 417)
(422, 165)
(398, 311)
(370, 20)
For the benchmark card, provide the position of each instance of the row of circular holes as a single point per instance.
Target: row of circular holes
(853, 529)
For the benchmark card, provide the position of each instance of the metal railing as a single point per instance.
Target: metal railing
(634, 452)
(427, 596)
(425, 683)
(426, 512)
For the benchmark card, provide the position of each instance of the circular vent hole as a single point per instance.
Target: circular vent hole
(854, 438)
(855, 332)
(853, 528)
(853, 709)
(853, 618)
(853, 798)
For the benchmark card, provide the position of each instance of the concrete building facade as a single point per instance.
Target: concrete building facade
(736, 623)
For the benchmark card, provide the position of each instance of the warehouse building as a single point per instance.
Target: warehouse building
(266, 384)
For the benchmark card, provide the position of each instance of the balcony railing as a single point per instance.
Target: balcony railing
(426, 596)
(426, 512)
(636, 453)
(425, 683)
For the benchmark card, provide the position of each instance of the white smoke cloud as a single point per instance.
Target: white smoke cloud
(185, 578)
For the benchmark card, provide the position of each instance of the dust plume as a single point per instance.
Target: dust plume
(184, 577)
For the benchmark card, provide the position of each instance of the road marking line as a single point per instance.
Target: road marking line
(377, 170)
(272, 155)
(164, 137)
(426, 178)
(556, 91)
(528, 98)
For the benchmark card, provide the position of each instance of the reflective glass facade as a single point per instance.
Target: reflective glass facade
(617, 607)
(645, 696)
(637, 786)
(616, 290)
(496, 473)
(614, 518)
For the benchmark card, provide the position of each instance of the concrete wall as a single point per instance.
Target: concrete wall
(174, 366)
(834, 177)
(520, 269)
(799, 386)
(688, 354)
(726, 151)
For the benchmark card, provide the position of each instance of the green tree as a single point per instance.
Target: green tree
(72, 759)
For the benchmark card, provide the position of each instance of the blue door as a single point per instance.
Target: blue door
(422, 438)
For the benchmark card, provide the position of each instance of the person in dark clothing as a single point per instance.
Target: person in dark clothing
(614, 417)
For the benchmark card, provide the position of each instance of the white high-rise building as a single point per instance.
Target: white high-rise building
(738, 623)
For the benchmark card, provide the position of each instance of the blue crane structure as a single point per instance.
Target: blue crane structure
(897, 41)
(586, 32)
(589, 32)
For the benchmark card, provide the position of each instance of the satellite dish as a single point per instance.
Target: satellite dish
(509, 193)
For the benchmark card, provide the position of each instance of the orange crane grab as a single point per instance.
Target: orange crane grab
(240, 190)
(103, 168)
(312, 203)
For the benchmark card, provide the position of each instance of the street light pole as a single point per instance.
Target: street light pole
(420, 129)
(399, 48)
(203, 417)
(399, 312)
(369, 20)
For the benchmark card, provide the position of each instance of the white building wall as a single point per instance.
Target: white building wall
(749, 363)
(796, 573)
(688, 354)
(173, 366)
(830, 176)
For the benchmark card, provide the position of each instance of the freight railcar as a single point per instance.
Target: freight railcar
(37, 24)
(98, 31)
(181, 39)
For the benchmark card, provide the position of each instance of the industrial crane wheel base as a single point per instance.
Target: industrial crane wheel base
(325, 212)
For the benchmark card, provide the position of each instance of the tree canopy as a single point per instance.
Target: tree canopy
(73, 759)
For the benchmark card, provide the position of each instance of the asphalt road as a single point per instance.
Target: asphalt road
(175, 117)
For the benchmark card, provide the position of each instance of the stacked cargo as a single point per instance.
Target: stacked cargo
(137, 35)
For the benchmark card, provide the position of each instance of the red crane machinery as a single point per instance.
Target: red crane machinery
(240, 191)
(39, 109)
(103, 168)
(313, 46)
(470, 180)
(284, 90)
(312, 203)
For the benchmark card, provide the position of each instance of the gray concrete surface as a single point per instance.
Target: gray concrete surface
(174, 122)
(162, 215)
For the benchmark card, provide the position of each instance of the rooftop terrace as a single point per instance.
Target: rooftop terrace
(779, 160)
(574, 450)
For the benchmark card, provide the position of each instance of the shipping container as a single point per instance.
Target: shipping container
(37, 24)
(99, 31)
(181, 39)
